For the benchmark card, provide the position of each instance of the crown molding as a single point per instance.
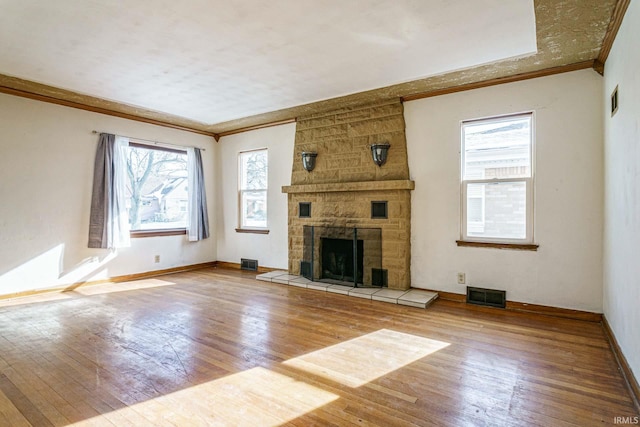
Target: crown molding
(612, 31)
(39, 92)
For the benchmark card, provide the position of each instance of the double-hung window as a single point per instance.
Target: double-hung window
(497, 179)
(252, 193)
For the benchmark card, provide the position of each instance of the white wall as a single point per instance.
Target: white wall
(271, 250)
(622, 189)
(46, 170)
(566, 270)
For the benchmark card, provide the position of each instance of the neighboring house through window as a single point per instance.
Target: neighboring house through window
(252, 193)
(497, 179)
(157, 188)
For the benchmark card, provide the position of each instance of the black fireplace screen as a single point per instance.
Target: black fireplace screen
(350, 256)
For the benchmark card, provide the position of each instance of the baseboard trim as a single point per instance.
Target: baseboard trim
(115, 279)
(236, 266)
(623, 365)
(566, 313)
(532, 308)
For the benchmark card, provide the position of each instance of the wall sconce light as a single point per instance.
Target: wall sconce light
(379, 153)
(309, 160)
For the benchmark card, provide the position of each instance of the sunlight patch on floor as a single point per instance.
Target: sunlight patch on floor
(256, 397)
(122, 286)
(361, 360)
(87, 290)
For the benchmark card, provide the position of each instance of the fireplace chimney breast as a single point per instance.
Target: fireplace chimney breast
(345, 181)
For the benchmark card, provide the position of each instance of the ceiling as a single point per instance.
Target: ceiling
(215, 65)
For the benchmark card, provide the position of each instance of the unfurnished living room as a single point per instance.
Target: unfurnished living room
(370, 212)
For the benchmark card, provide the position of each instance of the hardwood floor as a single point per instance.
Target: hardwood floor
(216, 347)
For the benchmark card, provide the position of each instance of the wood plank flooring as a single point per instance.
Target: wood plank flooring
(217, 347)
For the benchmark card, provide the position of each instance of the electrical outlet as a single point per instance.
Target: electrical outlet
(461, 278)
(156, 259)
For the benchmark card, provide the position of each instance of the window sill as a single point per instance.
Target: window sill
(252, 230)
(513, 246)
(156, 233)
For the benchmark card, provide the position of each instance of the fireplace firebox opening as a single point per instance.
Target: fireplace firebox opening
(339, 262)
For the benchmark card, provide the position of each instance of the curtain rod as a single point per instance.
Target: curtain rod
(155, 142)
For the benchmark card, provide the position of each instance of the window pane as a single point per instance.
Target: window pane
(504, 210)
(254, 209)
(253, 166)
(157, 192)
(498, 148)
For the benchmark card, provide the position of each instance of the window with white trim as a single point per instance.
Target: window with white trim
(497, 179)
(157, 190)
(253, 185)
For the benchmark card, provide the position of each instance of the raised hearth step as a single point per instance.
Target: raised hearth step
(412, 297)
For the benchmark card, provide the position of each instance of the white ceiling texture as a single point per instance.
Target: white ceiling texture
(217, 60)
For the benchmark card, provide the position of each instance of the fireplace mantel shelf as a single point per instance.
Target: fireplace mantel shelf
(334, 187)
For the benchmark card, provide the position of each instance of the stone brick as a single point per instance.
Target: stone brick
(342, 161)
(316, 123)
(301, 177)
(387, 110)
(389, 173)
(344, 145)
(346, 197)
(372, 127)
(304, 136)
(299, 148)
(357, 174)
(315, 177)
(330, 132)
(354, 116)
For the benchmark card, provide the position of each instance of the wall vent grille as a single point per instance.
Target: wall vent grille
(488, 297)
(248, 264)
(304, 210)
(379, 210)
(379, 277)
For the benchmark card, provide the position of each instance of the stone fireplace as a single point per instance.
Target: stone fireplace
(346, 191)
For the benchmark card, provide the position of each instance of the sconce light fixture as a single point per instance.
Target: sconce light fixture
(309, 160)
(379, 153)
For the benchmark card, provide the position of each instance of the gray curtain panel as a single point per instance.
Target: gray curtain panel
(100, 235)
(200, 229)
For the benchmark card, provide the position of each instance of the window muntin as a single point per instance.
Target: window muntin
(497, 179)
(157, 188)
(253, 185)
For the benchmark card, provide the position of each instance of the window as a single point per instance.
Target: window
(157, 193)
(497, 180)
(252, 194)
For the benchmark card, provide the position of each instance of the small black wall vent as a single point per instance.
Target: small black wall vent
(248, 264)
(304, 210)
(489, 297)
(380, 277)
(614, 102)
(379, 210)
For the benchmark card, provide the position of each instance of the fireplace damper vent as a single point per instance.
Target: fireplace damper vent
(248, 264)
(489, 297)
